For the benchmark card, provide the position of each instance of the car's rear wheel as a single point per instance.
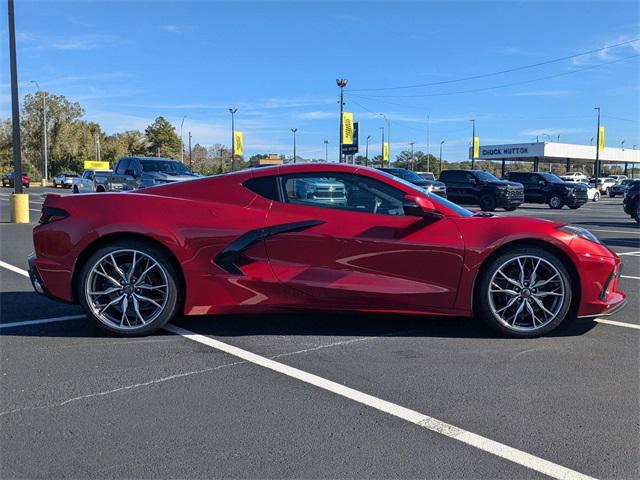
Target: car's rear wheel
(129, 288)
(100, 188)
(525, 292)
(556, 202)
(596, 196)
(510, 209)
(488, 202)
(636, 211)
(75, 189)
(575, 207)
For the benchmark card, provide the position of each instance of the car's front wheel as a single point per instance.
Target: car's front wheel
(556, 202)
(636, 212)
(129, 288)
(525, 292)
(488, 203)
(596, 196)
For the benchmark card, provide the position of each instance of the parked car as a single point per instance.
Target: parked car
(631, 202)
(64, 180)
(87, 183)
(7, 180)
(136, 260)
(574, 177)
(592, 192)
(618, 178)
(131, 173)
(427, 175)
(316, 190)
(545, 187)
(619, 188)
(410, 176)
(604, 184)
(477, 187)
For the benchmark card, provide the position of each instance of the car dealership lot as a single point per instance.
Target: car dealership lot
(79, 403)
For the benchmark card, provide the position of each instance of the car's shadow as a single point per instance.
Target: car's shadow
(621, 242)
(298, 323)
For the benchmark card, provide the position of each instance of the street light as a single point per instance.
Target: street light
(341, 82)
(596, 167)
(591, 141)
(366, 155)
(294, 130)
(181, 142)
(413, 166)
(382, 147)
(441, 156)
(622, 145)
(233, 111)
(473, 141)
(45, 155)
(388, 133)
(326, 150)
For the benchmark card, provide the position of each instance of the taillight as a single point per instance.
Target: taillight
(52, 214)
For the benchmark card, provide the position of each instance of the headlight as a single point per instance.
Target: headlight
(429, 188)
(568, 190)
(580, 232)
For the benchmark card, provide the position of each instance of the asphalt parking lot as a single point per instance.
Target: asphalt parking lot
(318, 395)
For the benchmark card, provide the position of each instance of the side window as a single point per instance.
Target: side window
(452, 176)
(135, 166)
(266, 187)
(342, 191)
(123, 165)
(469, 177)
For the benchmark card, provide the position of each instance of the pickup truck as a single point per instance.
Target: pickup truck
(131, 173)
(477, 187)
(87, 182)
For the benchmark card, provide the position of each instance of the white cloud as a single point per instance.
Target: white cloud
(67, 42)
(608, 54)
(177, 28)
(550, 131)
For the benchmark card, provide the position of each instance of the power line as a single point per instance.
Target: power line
(496, 87)
(500, 72)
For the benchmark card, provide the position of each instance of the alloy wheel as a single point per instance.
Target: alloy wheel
(526, 293)
(127, 289)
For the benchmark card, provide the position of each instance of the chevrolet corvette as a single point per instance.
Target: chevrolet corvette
(319, 237)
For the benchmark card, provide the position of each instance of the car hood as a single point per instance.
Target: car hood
(429, 183)
(505, 183)
(581, 187)
(167, 177)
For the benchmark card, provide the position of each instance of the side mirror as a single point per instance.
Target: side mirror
(417, 206)
(473, 181)
(541, 182)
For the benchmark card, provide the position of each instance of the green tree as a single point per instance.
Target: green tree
(163, 139)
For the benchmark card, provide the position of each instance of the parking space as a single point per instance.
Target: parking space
(319, 395)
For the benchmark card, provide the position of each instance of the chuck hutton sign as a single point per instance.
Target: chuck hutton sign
(504, 151)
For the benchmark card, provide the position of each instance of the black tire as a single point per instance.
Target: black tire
(173, 290)
(75, 189)
(556, 202)
(596, 197)
(575, 207)
(100, 189)
(482, 302)
(612, 195)
(510, 209)
(636, 210)
(488, 202)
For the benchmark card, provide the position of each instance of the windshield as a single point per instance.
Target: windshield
(463, 212)
(164, 166)
(551, 178)
(485, 176)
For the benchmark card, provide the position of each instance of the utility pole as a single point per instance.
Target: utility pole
(294, 130)
(326, 150)
(413, 162)
(181, 142)
(427, 142)
(366, 155)
(233, 111)
(382, 148)
(341, 82)
(441, 156)
(190, 164)
(45, 147)
(473, 141)
(596, 167)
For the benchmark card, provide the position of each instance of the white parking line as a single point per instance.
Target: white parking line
(42, 320)
(635, 253)
(630, 277)
(32, 209)
(17, 270)
(432, 424)
(618, 324)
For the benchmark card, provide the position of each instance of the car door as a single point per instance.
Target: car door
(455, 185)
(357, 249)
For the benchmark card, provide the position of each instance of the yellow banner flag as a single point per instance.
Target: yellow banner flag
(476, 147)
(385, 151)
(347, 128)
(95, 165)
(601, 142)
(238, 144)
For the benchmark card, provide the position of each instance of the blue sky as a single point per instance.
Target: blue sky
(277, 62)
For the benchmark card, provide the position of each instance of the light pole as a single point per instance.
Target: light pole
(366, 154)
(181, 142)
(473, 141)
(413, 163)
(622, 145)
(558, 138)
(388, 133)
(596, 167)
(190, 164)
(45, 148)
(326, 150)
(441, 156)
(382, 148)
(341, 82)
(233, 111)
(294, 130)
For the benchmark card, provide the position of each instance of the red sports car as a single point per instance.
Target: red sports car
(318, 236)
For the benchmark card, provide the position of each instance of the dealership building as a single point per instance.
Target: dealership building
(573, 156)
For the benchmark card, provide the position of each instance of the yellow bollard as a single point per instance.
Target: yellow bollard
(19, 203)
(44, 182)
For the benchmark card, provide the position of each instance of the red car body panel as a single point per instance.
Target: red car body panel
(343, 260)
